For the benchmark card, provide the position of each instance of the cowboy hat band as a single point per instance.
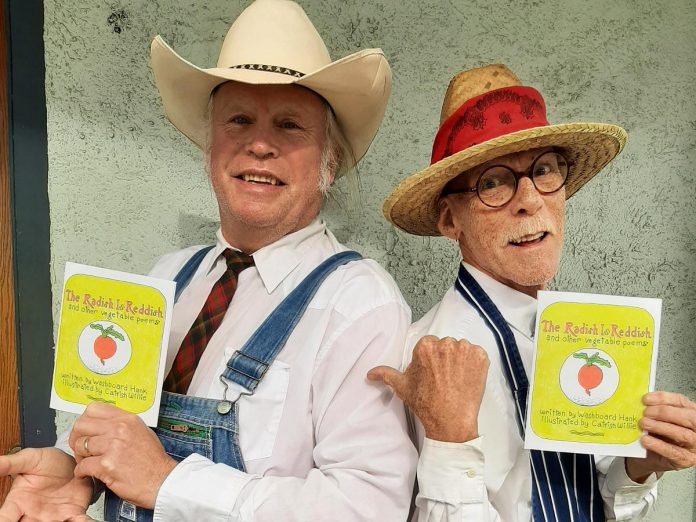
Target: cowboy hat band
(487, 113)
(268, 68)
(274, 42)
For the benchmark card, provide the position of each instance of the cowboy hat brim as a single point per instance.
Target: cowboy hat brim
(413, 204)
(356, 87)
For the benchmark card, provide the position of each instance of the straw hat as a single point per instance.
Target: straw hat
(273, 42)
(487, 113)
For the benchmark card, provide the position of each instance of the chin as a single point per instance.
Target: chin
(535, 276)
(254, 213)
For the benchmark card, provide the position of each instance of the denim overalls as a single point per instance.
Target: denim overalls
(209, 427)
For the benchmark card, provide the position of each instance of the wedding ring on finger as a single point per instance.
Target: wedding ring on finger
(85, 446)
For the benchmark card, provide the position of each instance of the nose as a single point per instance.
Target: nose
(261, 143)
(527, 200)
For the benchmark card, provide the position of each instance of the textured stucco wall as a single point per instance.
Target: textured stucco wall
(125, 187)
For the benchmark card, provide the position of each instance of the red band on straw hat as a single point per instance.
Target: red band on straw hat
(490, 115)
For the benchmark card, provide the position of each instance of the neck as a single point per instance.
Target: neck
(246, 245)
(250, 239)
(531, 290)
(249, 243)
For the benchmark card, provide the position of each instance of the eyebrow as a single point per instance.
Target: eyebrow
(286, 111)
(289, 112)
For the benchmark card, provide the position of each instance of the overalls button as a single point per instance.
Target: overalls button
(224, 407)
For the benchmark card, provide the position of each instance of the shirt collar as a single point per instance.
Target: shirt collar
(518, 309)
(274, 262)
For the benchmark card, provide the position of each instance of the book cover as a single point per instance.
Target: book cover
(112, 339)
(594, 359)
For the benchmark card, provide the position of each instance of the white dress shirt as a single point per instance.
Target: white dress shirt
(319, 442)
(489, 478)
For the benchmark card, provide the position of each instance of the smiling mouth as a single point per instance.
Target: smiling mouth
(260, 179)
(529, 239)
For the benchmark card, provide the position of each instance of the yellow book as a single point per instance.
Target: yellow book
(112, 341)
(594, 359)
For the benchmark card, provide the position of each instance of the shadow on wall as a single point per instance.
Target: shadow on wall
(196, 230)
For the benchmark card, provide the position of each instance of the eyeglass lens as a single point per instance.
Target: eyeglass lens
(498, 184)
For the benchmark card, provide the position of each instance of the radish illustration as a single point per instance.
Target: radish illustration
(104, 345)
(590, 374)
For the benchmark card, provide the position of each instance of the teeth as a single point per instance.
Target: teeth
(526, 239)
(260, 179)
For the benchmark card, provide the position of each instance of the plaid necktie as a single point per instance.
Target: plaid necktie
(206, 323)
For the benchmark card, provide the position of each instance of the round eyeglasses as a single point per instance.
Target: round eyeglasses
(497, 185)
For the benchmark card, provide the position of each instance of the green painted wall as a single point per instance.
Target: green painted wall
(125, 187)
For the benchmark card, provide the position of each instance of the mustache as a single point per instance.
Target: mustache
(526, 228)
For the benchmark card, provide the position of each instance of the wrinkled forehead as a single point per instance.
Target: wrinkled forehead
(515, 160)
(295, 97)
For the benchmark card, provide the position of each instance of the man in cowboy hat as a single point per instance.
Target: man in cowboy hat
(266, 413)
(497, 184)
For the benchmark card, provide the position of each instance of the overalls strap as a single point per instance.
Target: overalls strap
(184, 276)
(248, 365)
(189, 424)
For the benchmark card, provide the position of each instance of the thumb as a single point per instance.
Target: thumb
(387, 375)
(24, 461)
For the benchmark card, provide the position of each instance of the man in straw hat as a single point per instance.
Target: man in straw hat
(497, 184)
(266, 413)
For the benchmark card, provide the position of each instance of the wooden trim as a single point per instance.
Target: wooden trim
(9, 411)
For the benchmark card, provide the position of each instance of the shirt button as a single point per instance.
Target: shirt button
(471, 473)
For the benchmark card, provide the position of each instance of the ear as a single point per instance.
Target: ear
(445, 222)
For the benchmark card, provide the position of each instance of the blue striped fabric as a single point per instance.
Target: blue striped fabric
(564, 485)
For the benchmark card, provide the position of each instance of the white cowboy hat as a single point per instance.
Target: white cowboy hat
(273, 42)
(488, 113)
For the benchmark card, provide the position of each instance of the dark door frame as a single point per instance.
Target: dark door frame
(28, 160)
